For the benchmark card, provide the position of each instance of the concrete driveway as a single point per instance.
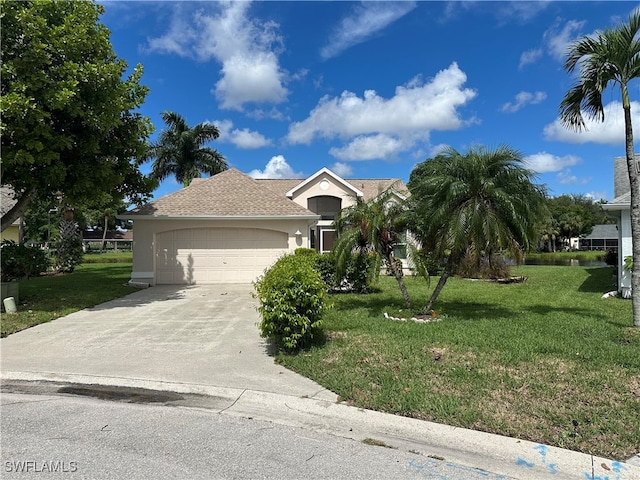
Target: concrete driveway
(202, 335)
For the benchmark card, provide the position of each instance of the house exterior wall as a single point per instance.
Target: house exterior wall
(11, 233)
(323, 185)
(145, 231)
(625, 250)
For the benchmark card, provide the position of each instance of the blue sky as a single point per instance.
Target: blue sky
(370, 89)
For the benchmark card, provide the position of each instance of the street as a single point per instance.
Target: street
(65, 436)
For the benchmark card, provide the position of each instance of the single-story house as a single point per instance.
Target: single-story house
(231, 227)
(7, 201)
(620, 209)
(602, 237)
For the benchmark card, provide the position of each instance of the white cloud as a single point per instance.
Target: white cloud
(597, 196)
(437, 149)
(557, 38)
(341, 169)
(244, 138)
(277, 167)
(246, 48)
(565, 177)
(375, 124)
(371, 147)
(530, 56)
(544, 162)
(365, 20)
(611, 131)
(523, 99)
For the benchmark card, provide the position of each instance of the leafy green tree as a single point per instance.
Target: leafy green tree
(68, 120)
(180, 150)
(481, 202)
(572, 216)
(609, 58)
(375, 227)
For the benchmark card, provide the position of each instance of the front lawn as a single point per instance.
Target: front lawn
(43, 299)
(547, 360)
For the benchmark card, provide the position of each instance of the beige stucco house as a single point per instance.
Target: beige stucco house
(7, 201)
(231, 227)
(620, 209)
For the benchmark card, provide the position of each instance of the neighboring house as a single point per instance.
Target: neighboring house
(231, 227)
(114, 240)
(7, 201)
(602, 237)
(620, 209)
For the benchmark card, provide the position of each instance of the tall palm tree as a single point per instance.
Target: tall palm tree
(371, 227)
(480, 202)
(609, 58)
(180, 150)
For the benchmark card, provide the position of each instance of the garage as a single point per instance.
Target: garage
(216, 255)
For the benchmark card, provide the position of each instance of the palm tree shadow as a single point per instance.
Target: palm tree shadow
(474, 310)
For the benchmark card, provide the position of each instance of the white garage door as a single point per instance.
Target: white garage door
(216, 255)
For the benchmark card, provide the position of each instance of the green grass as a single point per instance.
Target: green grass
(108, 257)
(547, 360)
(582, 255)
(46, 298)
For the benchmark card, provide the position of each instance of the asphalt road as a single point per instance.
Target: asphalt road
(67, 436)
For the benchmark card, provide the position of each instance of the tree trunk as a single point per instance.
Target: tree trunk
(443, 279)
(15, 212)
(398, 274)
(634, 181)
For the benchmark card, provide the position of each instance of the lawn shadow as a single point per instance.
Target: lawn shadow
(474, 310)
(548, 309)
(600, 280)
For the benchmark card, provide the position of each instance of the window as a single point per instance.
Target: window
(327, 239)
(325, 206)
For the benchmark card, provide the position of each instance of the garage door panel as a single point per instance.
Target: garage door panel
(216, 255)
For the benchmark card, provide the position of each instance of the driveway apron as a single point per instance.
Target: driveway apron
(203, 335)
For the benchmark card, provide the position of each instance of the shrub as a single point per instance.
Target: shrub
(474, 266)
(358, 276)
(309, 252)
(611, 257)
(68, 254)
(325, 264)
(292, 301)
(360, 272)
(20, 261)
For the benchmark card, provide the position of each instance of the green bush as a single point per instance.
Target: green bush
(20, 261)
(309, 252)
(68, 254)
(360, 272)
(358, 276)
(481, 266)
(292, 302)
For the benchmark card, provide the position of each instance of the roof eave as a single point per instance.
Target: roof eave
(217, 217)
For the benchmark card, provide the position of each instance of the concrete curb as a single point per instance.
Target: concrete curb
(431, 442)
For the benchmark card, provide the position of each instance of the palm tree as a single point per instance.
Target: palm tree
(179, 150)
(371, 227)
(478, 203)
(611, 57)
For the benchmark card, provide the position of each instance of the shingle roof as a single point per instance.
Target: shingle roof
(603, 231)
(371, 188)
(624, 199)
(7, 200)
(230, 193)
